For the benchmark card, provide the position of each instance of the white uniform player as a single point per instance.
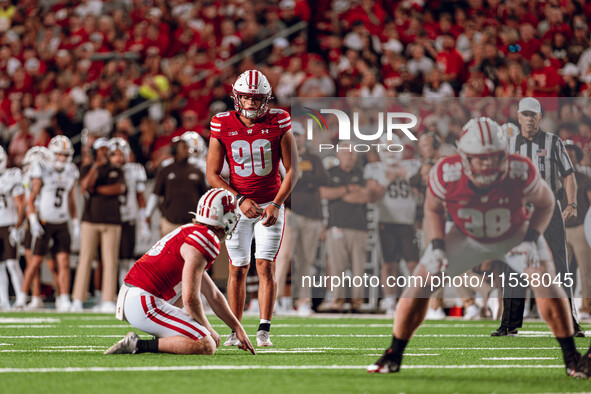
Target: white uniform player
(54, 184)
(36, 153)
(11, 231)
(389, 188)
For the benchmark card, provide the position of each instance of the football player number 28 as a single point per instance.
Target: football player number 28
(255, 157)
(492, 223)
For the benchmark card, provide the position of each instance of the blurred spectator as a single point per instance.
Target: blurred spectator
(318, 83)
(176, 188)
(101, 184)
(347, 227)
(20, 142)
(97, 119)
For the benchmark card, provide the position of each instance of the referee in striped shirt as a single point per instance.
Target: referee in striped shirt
(548, 154)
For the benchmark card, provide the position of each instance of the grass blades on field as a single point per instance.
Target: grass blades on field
(62, 353)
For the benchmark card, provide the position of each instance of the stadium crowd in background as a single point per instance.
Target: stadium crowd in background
(68, 66)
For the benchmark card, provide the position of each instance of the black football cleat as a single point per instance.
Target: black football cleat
(578, 367)
(384, 365)
(504, 332)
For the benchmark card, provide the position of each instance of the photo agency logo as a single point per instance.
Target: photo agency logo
(391, 127)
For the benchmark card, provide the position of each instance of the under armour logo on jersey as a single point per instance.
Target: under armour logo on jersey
(503, 201)
(484, 199)
(265, 131)
(249, 131)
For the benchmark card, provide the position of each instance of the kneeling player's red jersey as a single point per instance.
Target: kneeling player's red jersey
(490, 215)
(160, 270)
(253, 153)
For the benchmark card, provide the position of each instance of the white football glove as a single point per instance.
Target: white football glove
(36, 227)
(75, 232)
(145, 233)
(16, 235)
(435, 261)
(524, 255)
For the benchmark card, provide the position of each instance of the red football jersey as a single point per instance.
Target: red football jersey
(160, 270)
(489, 216)
(253, 153)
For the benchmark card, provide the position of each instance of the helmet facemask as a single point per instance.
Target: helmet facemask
(250, 113)
(492, 167)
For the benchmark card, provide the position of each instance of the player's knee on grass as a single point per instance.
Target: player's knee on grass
(206, 346)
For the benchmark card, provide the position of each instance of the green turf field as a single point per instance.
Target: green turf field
(62, 353)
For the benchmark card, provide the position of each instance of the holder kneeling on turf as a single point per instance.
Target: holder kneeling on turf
(172, 274)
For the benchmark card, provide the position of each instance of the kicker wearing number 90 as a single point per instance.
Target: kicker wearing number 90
(253, 139)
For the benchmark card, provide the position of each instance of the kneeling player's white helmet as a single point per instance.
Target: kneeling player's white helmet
(120, 144)
(61, 145)
(483, 138)
(197, 147)
(3, 160)
(251, 83)
(218, 208)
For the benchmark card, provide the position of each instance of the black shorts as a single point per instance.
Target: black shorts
(59, 233)
(127, 244)
(398, 242)
(7, 251)
(28, 236)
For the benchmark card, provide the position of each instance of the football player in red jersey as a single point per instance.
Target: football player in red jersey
(485, 190)
(172, 274)
(253, 139)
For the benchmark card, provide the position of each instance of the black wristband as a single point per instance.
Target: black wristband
(531, 235)
(275, 205)
(438, 243)
(238, 197)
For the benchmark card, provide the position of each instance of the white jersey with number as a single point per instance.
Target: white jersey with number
(53, 197)
(399, 204)
(135, 180)
(11, 186)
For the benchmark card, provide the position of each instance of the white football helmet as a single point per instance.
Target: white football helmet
(197, 147)
(60, 145)
(36, 153)
(390, 157)
(3, 160)
(218, 208)
(252, 83)
(483, 138)
(510, 129)
(119, 143)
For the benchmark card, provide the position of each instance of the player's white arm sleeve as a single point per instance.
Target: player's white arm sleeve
(151, 205)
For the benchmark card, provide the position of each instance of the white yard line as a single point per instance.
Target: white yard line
(102, 349)
(23, 320)
(264, 367)
(30, 326)
(287, 336)
(518, 358)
